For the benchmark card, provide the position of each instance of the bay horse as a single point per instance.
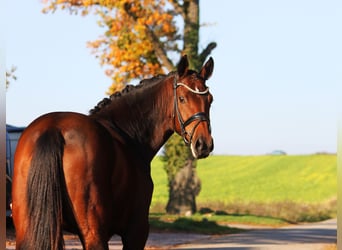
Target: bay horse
(90, 174)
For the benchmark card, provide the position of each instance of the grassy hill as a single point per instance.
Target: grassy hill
(260, 184)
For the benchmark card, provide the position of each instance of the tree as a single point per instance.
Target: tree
(184, 185)
(144, 38)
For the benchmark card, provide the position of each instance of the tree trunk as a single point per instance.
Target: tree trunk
(183, 190)
(184, 184)
(191, 32)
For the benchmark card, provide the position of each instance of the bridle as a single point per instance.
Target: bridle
(200, 116)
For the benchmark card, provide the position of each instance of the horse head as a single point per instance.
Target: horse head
(192, 101)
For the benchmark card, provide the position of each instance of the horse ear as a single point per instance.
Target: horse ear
(207, 69)
(183, 66)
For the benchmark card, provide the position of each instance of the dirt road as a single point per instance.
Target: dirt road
(313, 236)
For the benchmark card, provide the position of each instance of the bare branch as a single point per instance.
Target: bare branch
(160, 52)
(207, 51)
(78, 3)
(178, 8)
(10, 75)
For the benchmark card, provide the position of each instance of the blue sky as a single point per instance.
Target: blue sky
(278, 70)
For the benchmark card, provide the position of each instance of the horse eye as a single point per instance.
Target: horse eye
(182, 99)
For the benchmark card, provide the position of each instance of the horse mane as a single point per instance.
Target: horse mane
(128, 89)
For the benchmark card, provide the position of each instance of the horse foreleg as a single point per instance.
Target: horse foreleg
(135, 238)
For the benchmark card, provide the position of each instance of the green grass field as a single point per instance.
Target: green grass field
(243, 184)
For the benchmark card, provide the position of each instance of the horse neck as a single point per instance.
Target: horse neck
(145, 117)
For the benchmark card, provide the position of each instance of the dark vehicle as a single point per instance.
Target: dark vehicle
(12, 136)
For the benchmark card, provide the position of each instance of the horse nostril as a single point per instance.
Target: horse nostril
(201, 146)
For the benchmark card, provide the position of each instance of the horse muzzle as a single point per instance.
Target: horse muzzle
(201, 148)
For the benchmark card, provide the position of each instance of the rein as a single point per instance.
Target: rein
(200, 116)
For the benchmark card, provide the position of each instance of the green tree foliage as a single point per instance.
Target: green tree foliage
(174, 156)
(183, 183)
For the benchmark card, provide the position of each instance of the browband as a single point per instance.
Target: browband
(193, 90)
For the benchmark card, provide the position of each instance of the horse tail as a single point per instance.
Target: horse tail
(45, 189)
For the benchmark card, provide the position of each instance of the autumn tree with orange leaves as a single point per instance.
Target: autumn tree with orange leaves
(144, 38)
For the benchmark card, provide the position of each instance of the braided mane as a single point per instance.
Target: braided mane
(128, 89)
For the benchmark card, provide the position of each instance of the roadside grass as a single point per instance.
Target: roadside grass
(193, 224)
(224, 219)
(291, 188)
(289, 211)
